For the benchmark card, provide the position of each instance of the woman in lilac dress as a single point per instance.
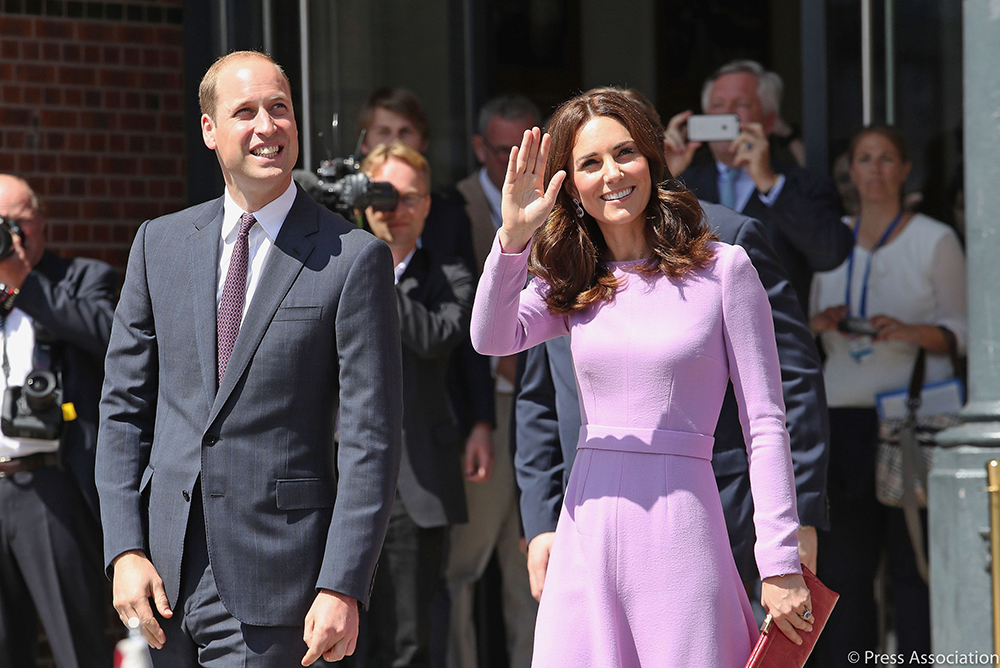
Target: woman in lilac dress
(660, 317)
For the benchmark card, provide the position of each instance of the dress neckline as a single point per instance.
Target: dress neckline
(626, 263)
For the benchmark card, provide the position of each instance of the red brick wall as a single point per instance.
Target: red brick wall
(92, 116)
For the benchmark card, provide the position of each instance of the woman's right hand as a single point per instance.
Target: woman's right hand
(826, 321)
(526, 202)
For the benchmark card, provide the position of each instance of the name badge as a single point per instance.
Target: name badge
(860, 348)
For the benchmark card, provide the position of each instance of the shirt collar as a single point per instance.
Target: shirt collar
(723, 168)
(269, 217)
(493, 196)
(400, 268)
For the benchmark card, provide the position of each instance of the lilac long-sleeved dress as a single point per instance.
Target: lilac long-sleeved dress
(641, 572)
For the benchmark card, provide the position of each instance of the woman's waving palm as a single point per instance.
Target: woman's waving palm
(526, 202)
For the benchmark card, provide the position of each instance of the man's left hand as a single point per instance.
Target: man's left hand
(752, 150)
(478, 460)
(808, 547)
(331, 628)
(16, 266)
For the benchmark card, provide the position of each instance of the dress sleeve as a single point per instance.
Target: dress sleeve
(948, 278)
(756, 377)
(505, 318)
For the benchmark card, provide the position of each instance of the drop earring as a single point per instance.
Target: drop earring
(579, 209)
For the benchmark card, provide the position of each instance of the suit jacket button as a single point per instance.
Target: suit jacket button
(187, 497)
(210, 440)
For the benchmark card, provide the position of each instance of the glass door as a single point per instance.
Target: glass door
(899, 63)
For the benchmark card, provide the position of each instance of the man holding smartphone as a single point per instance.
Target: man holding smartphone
(800, 210)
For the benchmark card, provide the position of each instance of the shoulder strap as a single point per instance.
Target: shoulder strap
(916, 381)
(956, 362)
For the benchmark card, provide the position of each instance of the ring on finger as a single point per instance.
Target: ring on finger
(807, 615)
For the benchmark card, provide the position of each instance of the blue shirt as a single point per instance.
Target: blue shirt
(745, 187)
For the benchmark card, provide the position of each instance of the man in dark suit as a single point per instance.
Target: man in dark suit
(245, 324)
(800, 210)
(50, 539)
(548, 421)
(493, 526)
(434, 298)
(395, 114)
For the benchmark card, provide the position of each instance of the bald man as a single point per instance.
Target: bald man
(55, 316)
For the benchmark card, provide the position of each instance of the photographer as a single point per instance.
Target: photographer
(56, 316)
(434, 298)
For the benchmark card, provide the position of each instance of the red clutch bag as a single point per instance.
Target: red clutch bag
(775, 650)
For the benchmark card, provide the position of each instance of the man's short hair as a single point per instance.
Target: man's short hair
(769, 84)
(381, 154)
(508, 107)
(397, 100)
(207, 97)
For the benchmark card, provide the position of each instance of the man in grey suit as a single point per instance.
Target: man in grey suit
(244, 324)
(434, 297)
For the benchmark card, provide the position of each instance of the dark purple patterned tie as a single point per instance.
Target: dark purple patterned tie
(234, 294)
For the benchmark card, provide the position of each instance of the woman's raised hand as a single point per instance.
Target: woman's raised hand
(526, 202)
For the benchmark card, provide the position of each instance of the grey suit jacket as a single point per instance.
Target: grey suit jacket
(478, 209)
(435, 304)
(286, 510)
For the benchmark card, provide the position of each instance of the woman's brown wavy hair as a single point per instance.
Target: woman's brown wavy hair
(569, 253)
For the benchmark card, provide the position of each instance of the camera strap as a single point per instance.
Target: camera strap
(43, 357)
(6, 360)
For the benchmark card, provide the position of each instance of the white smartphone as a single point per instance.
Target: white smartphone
(713, 127)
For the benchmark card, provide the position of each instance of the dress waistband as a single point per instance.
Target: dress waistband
(651, 441)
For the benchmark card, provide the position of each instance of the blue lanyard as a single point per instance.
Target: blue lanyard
(868, 268)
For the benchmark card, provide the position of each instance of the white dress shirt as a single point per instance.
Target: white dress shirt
(20, 339)
(260, 239)
(493, 197)
(400, 268)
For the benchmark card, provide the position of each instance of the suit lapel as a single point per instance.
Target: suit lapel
(285, 261)
(703, 181)
(203, 249)
(416, 271)
(481, 216)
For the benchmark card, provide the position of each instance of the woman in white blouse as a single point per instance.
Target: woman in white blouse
(906, 281)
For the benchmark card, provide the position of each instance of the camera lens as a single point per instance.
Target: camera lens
(6, 242)
(39, 389)
(383, 196)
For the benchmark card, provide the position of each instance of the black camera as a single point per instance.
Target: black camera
(856, 326)
(340, 186)
(8, 228)
(33, 410)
